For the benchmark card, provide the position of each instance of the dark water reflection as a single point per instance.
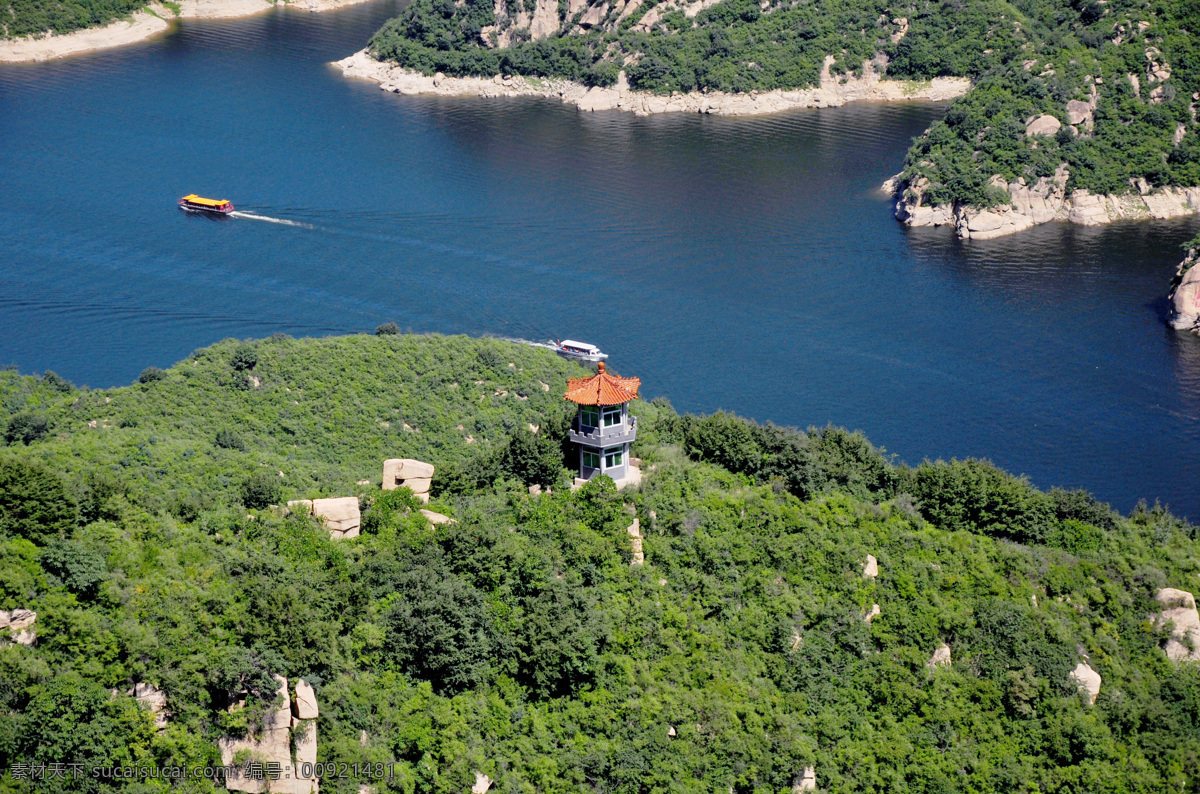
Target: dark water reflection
(745, 264)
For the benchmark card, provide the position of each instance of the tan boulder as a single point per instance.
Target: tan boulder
(937, 215)
(807, 782)
(418, 485)
(304, 736)
(1079, 112)
(274, 745)
(305, 707)
(1088, 209)
(397, 470)
(436, 518)
(340, 514)
(482, 784)
(635, 541)
(1179, 608)
(940, 658)
(1043, 126)
(21, 619)
(154, 700)
(874, 613)
(871, 567)
(1087, 680)
(19, 626)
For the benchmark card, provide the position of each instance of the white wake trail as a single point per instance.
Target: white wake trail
(251, 216)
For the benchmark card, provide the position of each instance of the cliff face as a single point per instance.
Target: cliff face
(550, 17)
(1185, 295)
(1044, 200)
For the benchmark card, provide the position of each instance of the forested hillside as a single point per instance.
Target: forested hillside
(35, 17)
(1131, 66)
(518, 642)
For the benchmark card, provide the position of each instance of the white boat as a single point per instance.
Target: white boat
(582, 351)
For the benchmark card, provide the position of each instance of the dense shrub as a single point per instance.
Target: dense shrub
(975, 495)
(74, 566)
(26, 428)
(239, 672)
(245, 357)
(152, 374)
(387, 329)
(33, 502)
(229, 439)
(57, 382)
(440, 629)
(71, 720)
(261, 490)
(726, 440)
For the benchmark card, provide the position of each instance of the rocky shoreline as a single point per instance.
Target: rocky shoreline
(1044, 200)
(832, 91)
(1185, 295)
(147, 23)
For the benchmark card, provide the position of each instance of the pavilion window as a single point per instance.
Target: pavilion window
(589, 416)
(591, 459)
(613, 457)
(612, 415)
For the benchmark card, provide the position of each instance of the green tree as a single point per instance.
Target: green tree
(261, 490)
(25, 428)
(33, 502)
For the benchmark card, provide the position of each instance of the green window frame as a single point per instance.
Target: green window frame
(591, 460)
(589, 416)
(613, 457)
(612, 415)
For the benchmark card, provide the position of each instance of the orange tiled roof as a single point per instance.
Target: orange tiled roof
(602, 389)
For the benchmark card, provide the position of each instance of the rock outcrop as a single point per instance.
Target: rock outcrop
(940, 658)
(274, 746)
(305, 706)
(436, 518)
(1043, 201)
(1179, 609)
(154, 700)
(832, 90)
(1185, 295)
(635, 541)
(482, 784)
(874, 613)
(1087, 680)
(807, 781)
(870, 567)
(408, 473)
(18, 625)
(340, 515)
(1043, 126)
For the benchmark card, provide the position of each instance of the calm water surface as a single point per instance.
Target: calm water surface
(744, 264)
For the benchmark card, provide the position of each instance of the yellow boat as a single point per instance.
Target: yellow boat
(194, 203)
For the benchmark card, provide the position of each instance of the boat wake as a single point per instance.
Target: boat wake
(251, 216)
(546, 345)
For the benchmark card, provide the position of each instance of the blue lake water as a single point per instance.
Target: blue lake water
(743, 264)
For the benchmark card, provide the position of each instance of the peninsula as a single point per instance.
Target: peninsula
(40, 32)
(1080, 111)
(365, 554)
